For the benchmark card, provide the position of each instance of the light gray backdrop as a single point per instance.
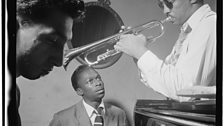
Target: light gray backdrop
(41, 98)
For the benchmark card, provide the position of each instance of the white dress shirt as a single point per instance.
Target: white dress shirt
(196, 64)
(92, 112)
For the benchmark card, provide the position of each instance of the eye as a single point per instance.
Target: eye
(25, 23)
(55, 42)
(169, 3)
(55, 39)
(50, 43)
(90, 81)
(98, 78)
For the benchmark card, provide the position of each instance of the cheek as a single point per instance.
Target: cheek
(90, 93)
(40, 53)
(88, 89)
(179, 8)
(26, 39)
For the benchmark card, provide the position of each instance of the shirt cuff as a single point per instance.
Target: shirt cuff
(147, 61)
(142, 78)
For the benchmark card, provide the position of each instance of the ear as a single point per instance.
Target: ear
(79, 91)
(23, 22)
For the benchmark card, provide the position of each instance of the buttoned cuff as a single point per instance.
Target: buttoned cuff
(147, 61)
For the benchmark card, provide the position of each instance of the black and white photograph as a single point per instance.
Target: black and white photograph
(114, 63)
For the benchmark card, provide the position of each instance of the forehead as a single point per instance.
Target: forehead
(88, 73)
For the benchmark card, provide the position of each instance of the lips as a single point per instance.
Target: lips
(100, 90)
(172, 18)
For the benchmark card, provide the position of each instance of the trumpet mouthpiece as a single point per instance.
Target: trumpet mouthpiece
(65, 63)
(168, 19)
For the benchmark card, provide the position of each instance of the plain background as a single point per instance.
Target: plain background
(41, 98)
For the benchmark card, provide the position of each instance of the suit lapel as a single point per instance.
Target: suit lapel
(82, 115)
(106, 115)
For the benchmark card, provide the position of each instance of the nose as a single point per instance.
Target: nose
(166, 10)
(97, 82)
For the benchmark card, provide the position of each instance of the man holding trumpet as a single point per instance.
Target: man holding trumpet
(192, 61)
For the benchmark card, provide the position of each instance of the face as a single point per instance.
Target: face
(40, 45)
(90, 85)
(177, 9)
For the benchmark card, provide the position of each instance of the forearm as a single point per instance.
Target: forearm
(165, 79)
(196, 67)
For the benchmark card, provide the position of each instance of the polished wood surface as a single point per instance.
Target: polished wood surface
(173, 113)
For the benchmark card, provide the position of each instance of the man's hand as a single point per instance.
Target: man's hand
(133, 45)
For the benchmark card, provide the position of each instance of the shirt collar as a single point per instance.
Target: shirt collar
(90, 110)
(193, 21)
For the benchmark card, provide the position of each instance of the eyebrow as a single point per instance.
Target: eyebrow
(62, 36)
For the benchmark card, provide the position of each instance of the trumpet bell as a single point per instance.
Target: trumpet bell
(100, 22)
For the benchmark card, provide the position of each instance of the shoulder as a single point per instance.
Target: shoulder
(209, 20)
(66, 111)
(205, 27)
(114, 109)
(61, 115)
(69, 110)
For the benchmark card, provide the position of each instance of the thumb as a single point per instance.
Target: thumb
(150, 39)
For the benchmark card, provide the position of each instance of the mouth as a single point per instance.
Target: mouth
(100, 90)
(172, 19)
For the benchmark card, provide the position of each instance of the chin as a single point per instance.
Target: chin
(101, 96)
(35, 76)
(174, 22)
(31, 77)
(45, 73)
(177, 22)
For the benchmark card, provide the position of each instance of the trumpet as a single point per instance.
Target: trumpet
(92, 47)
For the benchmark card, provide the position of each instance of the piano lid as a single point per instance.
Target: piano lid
(201, 110)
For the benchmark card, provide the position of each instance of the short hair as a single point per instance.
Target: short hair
(39, 9)
(76, 75)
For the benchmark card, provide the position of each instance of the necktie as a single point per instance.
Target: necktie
(99, 118)
(172, 59)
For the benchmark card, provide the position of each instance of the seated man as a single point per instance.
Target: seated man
(91, 111)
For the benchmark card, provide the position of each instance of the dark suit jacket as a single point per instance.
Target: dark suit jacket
(76, 115)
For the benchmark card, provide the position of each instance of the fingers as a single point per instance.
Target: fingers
(123, 28)
(129, 27)
(150, 39)
(131, 38)
(117, 47)
(140, 35)
(123, 36)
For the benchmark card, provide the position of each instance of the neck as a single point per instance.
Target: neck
(95, 104)
(195, 7)
(191, 11)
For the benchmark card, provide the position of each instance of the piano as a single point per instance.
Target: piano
(175, 113)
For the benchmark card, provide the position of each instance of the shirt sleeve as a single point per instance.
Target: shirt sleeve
(196, 66)
(55, 121)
